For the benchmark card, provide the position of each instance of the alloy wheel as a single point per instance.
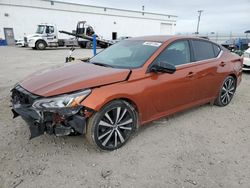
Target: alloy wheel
(228, 91)
(115, 127)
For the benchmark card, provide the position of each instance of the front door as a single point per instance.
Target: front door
(50, 34)
(9, 36)
(172, 92)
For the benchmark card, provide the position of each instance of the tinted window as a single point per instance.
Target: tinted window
(216, 50)
(203, 50)
(177, 53)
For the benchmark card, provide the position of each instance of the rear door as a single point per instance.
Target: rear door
(206, 62)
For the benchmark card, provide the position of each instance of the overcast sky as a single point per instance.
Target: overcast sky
(223, 16)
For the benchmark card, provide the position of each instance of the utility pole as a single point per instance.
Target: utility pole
(198, 24)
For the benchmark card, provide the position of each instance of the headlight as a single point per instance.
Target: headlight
(64, 101)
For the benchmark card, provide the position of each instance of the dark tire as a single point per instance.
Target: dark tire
(103, 45)
(89, 45)
(40, 45)
(227, 91)
(112, 126)
(82, 44)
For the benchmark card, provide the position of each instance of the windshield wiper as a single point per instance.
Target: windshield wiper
(102, 64)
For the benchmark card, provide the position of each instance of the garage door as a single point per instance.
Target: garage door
(166, 29)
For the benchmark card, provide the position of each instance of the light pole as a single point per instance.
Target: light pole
(199, 18)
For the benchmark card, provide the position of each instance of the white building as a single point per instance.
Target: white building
(23, 16)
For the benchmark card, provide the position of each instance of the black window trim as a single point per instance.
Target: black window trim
(191, 49)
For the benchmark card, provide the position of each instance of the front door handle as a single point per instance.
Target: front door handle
(222, 64)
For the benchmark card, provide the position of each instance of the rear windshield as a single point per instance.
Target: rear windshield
(126, 54)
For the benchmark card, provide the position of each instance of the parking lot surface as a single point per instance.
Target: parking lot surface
(207, 146)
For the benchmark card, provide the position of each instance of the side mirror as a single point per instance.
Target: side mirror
(163, 67)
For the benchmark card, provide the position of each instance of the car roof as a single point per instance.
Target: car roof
(163, 38)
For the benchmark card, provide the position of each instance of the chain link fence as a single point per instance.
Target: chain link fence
(220, 38)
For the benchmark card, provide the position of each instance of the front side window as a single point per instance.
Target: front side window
(126, 54)
(49, 29)
(203, 50)
(177, 53)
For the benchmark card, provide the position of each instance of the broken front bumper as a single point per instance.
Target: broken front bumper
(45, 121)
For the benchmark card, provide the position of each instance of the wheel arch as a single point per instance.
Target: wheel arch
(130, 102)
(234, 76)
(96, 107)
(136, 109)
(41, 40)
(126, 99)
(134, 105)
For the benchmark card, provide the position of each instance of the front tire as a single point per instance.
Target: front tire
(112, 126)
(89, 45)
(227, 91)
(40, 45)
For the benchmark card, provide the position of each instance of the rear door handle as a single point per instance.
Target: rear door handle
(190, 74)
(222, 64)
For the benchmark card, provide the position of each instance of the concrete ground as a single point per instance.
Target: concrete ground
(206, 146)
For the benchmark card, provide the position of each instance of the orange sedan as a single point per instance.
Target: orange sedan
(125, 86)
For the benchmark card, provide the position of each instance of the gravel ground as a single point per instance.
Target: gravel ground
(206, 146)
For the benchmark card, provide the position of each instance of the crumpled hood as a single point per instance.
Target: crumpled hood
(72, 77)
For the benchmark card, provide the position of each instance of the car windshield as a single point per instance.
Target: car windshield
(40, 29)
(126, 54)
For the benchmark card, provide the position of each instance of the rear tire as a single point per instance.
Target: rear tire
(112, 126)
(82, 44)
(89, 45)
(227, 91)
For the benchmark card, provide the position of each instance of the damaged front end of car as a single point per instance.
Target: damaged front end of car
(60, 115)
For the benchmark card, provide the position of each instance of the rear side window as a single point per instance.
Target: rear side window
(177, 53)
(203, 50)
(216, 50)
